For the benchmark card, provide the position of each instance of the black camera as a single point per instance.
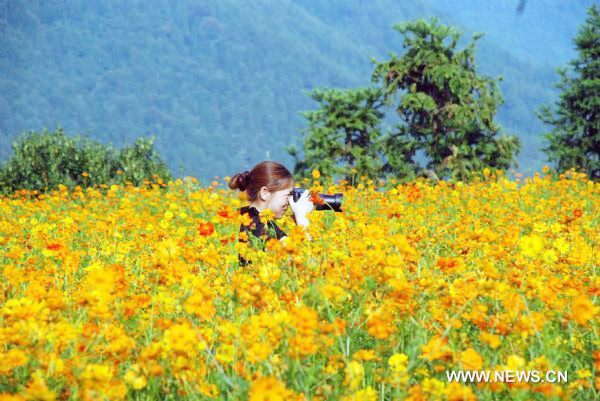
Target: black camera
(330, 202)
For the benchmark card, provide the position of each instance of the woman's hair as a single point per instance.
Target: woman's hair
(268, 174)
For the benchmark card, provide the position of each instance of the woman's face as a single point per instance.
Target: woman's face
(279, 201)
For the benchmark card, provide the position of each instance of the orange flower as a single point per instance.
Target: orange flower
(225, 213)
(450, 265)
(54, 246)
(269, 388)
(436, 348)
(316, 199)
(548, 389)
(380, 325)
(365, 355)
(492, 340)
(577, 213)
(206, 229)
(460, 392)
(305, 320)
(596, 357)
(414, 194)
(471, 360)
(302, 346)
(583, 310)
(337, 328)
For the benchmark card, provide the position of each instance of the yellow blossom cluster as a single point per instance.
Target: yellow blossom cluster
(136, 293)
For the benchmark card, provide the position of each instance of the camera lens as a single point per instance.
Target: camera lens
(330, 201)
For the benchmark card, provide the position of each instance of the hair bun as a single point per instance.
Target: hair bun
(245, 180)
(240, 181)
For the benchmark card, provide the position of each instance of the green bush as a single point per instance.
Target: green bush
(42, 161)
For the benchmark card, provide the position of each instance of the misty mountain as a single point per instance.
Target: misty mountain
(221, 84)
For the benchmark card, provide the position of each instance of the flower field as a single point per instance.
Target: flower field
(137, 294)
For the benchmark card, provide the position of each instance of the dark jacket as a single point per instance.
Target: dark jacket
(258, 229)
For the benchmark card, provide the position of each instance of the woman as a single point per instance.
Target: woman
(269, 185)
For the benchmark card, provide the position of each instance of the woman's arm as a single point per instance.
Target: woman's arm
(303, 222)
(300, 209)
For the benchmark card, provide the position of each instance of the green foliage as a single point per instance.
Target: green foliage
(446, 110)
(575, 137)
(140, 162)
(42, 161)
(343, 135)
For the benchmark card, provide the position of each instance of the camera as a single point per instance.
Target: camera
(330, 201)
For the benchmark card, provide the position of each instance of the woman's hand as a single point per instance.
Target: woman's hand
(302, 206)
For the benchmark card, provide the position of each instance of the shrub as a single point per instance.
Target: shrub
(42, 161)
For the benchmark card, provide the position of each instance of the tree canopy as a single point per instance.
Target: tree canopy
(574, 140)
(446, 109)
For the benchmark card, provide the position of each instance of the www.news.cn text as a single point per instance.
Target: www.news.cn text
(506, 376)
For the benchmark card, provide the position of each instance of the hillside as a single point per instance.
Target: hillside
(221, 84)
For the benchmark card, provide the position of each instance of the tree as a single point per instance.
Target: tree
(575, 137)
(446, 108)
(343, 134)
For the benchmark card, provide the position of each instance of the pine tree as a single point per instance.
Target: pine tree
(446, 107)
(446, 110)
(574, 141)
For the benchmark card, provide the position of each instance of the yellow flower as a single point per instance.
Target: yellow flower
(354, 374)
(209, 390)
(549, 256)
(316, 174)
(135, 378)
(539, 227)
(258, 352)
(37, 389)
(97, 373)
(200, 304)
(226, 353)
(583, 373)
(531, 245)
(397, 362)
(492, 340)
(366, 394)
(514, 362)
(266, 215)
(434, 387)
(181, 339)
(12, 359)
(561, 244)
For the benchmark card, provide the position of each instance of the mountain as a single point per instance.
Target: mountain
(221, 84)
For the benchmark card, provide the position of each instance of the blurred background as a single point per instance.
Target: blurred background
(221, 84)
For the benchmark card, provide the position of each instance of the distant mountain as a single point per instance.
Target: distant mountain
(221, 84)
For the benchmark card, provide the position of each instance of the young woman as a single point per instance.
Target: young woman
(269, 186)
